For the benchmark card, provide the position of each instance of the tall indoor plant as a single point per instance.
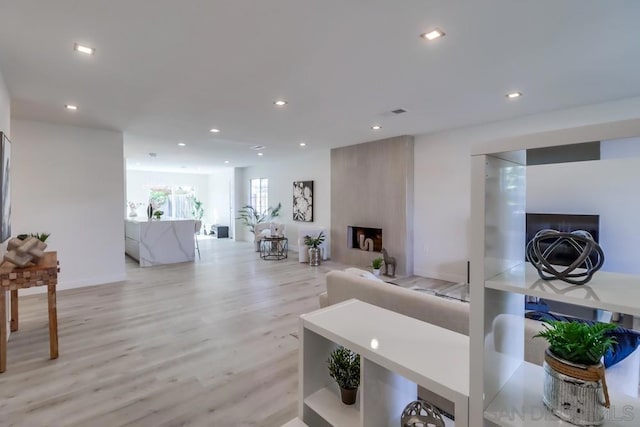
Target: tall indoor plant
(251, 217)
(575, 388)
(314, 251)
(344, 368)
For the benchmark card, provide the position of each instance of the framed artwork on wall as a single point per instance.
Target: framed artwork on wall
(303, 201)
(5, 187)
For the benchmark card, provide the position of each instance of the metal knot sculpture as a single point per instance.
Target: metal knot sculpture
(420, 413)
(580, 241)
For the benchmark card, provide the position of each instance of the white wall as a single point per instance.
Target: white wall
(313, 166)
(218, 204)
(5, 108)
(5, 118)
(68, 181)
(442, 180)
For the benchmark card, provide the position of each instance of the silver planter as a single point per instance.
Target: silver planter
(314, 257)
(574, 400)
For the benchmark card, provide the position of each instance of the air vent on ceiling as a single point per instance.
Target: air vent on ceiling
(258, 147)
(399, 111)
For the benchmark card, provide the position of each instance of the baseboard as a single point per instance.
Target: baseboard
(449, 277)
(75, 284)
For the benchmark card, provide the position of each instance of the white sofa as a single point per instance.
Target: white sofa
(454, 315)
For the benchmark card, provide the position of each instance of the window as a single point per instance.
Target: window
(175, 202)
(259, 194)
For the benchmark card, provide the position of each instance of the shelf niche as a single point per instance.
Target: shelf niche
(505, 390)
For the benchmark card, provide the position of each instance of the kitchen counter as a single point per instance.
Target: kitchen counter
(158, 242)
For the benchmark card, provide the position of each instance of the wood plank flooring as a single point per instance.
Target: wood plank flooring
(209, 343)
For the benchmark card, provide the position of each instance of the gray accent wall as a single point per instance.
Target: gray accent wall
(372, 186)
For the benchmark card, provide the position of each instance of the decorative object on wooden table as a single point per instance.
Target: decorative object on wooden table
(388, 262)
(23, 252)
(12, 278)
(575, 388)
(588, 255)
(420, 413)
(40, 236)
(150, 211)
(314, 250)
(303, 201)
(376, 265)
(344, 368)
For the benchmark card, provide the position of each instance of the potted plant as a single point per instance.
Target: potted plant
(314, 252)
(251, 217)
(575, 389)
(198, 210)
(158, 214)
(376, 265)
(344, 368)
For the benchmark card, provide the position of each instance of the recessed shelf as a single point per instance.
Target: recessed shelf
(606, 291)
(519, 403)
(327, 404)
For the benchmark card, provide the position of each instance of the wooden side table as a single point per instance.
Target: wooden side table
(12, 278)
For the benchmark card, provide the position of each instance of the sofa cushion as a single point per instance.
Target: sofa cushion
(444, 312)
(363, 273)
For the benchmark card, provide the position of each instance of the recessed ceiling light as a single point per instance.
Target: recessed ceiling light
(513, 95)
(280, 102)
(260, 154)
(182, 144)
(84, 49)
(71, 107)
(303, 144)
(376, 127)
(226, 162)
(433, 34)
(214, 130)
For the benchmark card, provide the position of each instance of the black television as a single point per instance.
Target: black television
(564, 254)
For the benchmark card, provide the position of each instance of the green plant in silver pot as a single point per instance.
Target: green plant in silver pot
(575, 388)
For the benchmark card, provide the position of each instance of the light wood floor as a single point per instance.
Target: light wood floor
(204, 344)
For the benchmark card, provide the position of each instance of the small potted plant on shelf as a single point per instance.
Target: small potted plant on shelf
(575, 389)
(376, 265)
(314, 251)
(344, 368)
(158, 214)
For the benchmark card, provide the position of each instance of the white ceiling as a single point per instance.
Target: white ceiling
(168, 71)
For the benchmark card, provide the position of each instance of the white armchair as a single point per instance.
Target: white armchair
(303, 250)
(268, 229)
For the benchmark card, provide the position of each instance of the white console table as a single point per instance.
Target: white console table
(398, 353)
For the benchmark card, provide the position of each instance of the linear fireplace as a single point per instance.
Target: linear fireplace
(364, 238)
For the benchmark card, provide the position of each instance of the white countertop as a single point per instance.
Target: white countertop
(139, 219)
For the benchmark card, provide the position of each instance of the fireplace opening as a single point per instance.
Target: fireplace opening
(365, 238)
